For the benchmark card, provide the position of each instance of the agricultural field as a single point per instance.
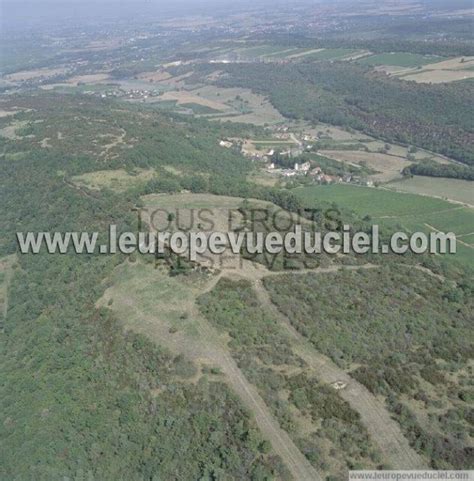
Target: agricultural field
(451, 70)
(403, 210)
(331, 132)
(242, 105)
(450, 189)
(399, 59)
(277, 53)
(372, 201)
(389, 167)
(45, 73)
(332, 54)
(199, 108)
(439, 76)
(186, 98)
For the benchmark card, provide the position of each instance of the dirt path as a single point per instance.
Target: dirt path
(6, 266)
(300, 468)
(209, 347)
(383, 430)
(434, 229)
(447, 199)
(296, 462)
(414, 215)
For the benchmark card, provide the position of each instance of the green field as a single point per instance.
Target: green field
(200, 109)
(408, 211)
(400, 59)
(330, 54)
(262, 50)
(281, 52)
(455, 189)
(166, 104)
(377, 203)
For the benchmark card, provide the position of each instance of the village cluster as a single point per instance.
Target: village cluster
(279, 162)
(131, 94)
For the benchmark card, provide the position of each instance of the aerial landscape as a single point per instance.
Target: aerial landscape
(204, 120)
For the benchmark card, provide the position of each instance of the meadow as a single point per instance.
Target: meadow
(118, 180)
(399, 59)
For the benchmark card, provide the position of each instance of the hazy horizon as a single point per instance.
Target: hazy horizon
(25, 14)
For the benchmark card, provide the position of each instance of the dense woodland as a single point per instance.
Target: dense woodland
(261, 348)
(405, 336)
(80, 397)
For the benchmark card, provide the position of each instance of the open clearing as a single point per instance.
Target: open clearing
(449, 189)
(252, 147)
(175, 82)
(151, 302)
(97, 79)
(11, 131)
(389, 166)
(229, 104)
(328, 132)
(116, 180)
(242, 104)
(184, 97)
(263, 178)
(7, 113)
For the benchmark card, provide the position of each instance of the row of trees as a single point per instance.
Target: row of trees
(433, 169)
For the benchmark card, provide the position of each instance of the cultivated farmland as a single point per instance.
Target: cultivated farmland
(399, 59)
(450, 189)
(401, 210)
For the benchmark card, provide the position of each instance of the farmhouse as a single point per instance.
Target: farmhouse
(303, 167)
